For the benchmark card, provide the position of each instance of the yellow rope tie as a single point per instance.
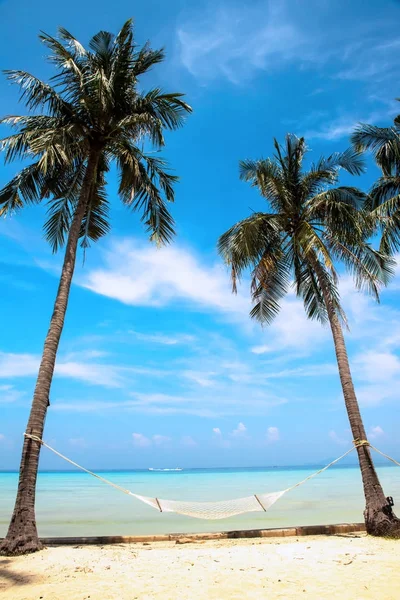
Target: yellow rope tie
(358, 443)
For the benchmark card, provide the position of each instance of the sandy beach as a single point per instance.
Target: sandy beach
(348, 566)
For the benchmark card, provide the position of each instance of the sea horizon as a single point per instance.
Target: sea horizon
(317, 465)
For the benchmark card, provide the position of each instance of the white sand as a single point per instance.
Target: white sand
(349, 567)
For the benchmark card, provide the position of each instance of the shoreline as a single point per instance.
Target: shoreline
(276, 532)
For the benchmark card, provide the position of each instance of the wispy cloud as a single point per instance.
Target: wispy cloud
(79, 442)
(240, 431)
(9, 394)
(188, 442)
(140, 440)
(376, 432)
(260, 349)
(94, 373)
(141, 275)
(235, 41)
(273, 434)
(143, 441)
(340, 440)
(164, 340)
(160, 440)
(332, 129)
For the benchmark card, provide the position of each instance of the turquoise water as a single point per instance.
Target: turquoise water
(77, 504)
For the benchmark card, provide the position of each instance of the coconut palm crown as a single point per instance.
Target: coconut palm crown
(93, 108)
(384, 197)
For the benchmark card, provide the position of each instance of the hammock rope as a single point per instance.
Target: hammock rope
(212, 510)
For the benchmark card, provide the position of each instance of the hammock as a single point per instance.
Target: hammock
(212, 510)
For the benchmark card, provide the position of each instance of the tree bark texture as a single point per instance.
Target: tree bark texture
(22, 536)
(379, 517)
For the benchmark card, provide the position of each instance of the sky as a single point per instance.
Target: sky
(159, 364)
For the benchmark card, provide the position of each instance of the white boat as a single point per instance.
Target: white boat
(177, 469)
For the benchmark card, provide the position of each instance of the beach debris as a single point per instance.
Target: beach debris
(185, 541)
(83, 570)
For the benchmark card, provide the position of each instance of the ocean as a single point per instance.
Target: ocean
(76, 504)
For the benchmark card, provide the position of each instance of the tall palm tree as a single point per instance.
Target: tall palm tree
(90, 115)
(311, 224)
(384, 197)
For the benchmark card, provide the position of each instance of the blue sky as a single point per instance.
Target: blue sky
(159, 365)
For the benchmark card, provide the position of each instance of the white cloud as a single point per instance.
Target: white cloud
(233, 43)
(9, 394)
(141, 275)
(140, 440)
(188, 441)
(293, 330)
(273, 434)
(377, 375)
(165, 340)
(18, 365)
(160, 440)
(236, 42)
(338, 439)
(260, 349)
(103, 374)
(202, 379)
(342, 126)
(240, 431)
(96, 374)
(375, 432)
(217, 431)
(2, 437)
(79, 442)
(374, 367)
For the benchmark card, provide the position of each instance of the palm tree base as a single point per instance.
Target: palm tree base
(382, 522)
(22, 536)
(20, 545)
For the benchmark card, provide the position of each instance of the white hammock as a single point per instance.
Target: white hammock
(214, 510)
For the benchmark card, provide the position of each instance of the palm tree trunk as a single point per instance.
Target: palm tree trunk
(379, 517)
(22, 536)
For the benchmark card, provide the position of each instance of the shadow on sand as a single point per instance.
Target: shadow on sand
(9, 578)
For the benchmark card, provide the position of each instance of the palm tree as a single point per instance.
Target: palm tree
(90, 115)
(310, 225)
(384, 198)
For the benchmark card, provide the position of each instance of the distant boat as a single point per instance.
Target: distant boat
(177, 469)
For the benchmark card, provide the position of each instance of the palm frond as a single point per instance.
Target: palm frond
(169, 109)
(244, 244)
(350, 160)
(144, 183)
(270, 283)
(309, 288)
(383, 142)
(35, 93)
(28, 187)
